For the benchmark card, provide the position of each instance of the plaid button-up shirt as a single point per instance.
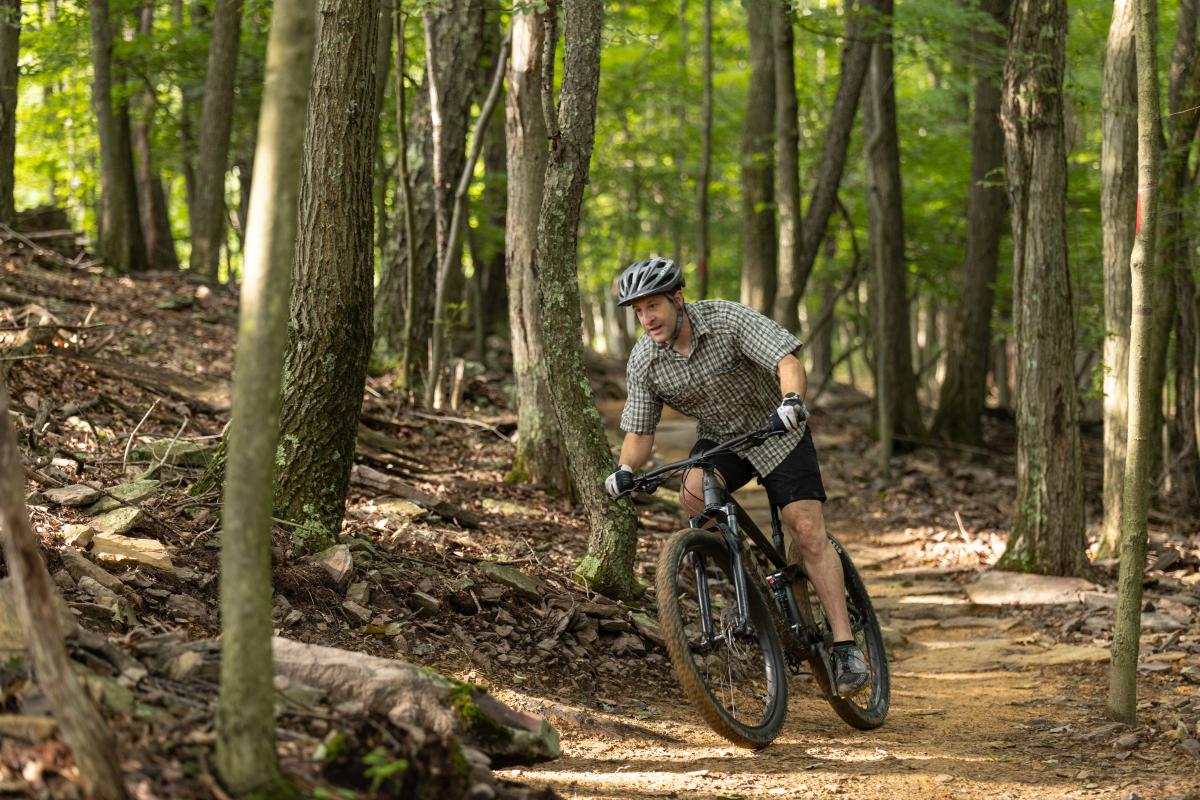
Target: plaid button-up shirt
(728, 383)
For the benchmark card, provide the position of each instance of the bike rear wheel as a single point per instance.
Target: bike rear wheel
(868, 709)
(736, 678)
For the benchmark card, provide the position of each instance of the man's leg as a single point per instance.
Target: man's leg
(806, 524)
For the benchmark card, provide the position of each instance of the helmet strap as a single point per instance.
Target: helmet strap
(679, 312)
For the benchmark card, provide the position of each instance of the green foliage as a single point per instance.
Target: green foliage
(383, 771)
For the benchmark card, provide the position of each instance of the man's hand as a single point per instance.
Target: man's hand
(790, 415)
(620, 481)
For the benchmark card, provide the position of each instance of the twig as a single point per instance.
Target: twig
(170, 447)
(461, 421)
(129, 443)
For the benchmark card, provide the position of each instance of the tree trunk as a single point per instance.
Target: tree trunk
(245, 711)
(856, 57)
(216, 120)
(759, 250)
(1047, 531)
(1122, 686)
(540, 457)
(608, 565)
(896, 386)
(152, 200)
(10, 50)
(329, 336)
(964, 391)
(787, 142)
(820, 343)
(1118, 202)
(120, 242)
(191, 95)
(706, 128)
(681, 141)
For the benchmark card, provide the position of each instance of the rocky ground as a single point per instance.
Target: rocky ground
(120, 393)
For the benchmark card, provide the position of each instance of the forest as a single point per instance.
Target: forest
(315, 369)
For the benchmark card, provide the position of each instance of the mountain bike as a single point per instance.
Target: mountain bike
(733, 632)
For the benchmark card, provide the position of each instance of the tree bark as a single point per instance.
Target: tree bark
(246, 755)
(787, 141)
(152, 200)
(1122, 687)
(896, 386)
(120, 242)
(10, 51)
(216, 120)
(540, 456)
(759, 247)
(856, 58)
(608, 565)
(1118, 204)
(37, 603)
(964, 391)
(1047, 532)
(706, 127)
(329, 338)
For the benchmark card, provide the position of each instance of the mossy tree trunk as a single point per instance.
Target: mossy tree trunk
(608, 565)
(1122, 686)
(540, 457)
(759, 246)
(1047, 533)
(329, 337)
(246, 756)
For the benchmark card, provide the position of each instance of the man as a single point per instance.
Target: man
(731, 367)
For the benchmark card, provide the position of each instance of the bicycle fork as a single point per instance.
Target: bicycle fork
(713, 496)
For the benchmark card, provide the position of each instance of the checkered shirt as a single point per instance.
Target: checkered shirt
(728, 383)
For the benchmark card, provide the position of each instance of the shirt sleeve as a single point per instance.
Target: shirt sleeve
(643, 408)
(761, 339)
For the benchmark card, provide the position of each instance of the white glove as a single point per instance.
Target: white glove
(619, 481)
(792, 412)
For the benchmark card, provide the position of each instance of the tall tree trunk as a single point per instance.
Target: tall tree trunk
(759, 249)
(245, 708)
(962, 399)
(191, 95)
(681, 141)
(787, 142)
(216, 120)
(1118, 204)
(896, 386)
(152, 200)
(1122, 686)
(861, 25)
(120, 242)
(608, 565)
(329, 337)
(1047, 531)
(10, 50)
(540, 456)
(706, 127)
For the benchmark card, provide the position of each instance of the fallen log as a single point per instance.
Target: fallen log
(363, 476)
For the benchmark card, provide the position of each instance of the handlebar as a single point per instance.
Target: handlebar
(649, 482)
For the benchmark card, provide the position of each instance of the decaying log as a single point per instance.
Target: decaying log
(366, 477)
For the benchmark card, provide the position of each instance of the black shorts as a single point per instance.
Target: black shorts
(798, 477)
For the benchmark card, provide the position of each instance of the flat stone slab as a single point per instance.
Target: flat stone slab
(73, 496)
(398, 507)
(182, 453)
(113, 547)
(996, 588)
(527, 585)
(129, 492)
(29, 728)
(119, 520)
(504, 507)
(986, 655)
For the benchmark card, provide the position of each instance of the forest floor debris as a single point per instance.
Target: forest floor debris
(444, 564)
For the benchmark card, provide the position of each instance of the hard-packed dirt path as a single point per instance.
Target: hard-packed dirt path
(983, 705)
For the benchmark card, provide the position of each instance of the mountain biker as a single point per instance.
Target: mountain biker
(729, 367)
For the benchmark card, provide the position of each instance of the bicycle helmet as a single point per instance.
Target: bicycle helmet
(648, 277)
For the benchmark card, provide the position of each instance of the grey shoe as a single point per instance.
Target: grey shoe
(850, 673)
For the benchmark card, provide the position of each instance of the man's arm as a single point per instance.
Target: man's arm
(791, 378)
(635, 449)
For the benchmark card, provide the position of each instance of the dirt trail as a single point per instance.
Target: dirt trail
(981, 707)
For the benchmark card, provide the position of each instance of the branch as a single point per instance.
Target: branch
(549, 47)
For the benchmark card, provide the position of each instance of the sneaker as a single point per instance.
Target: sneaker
(850, 674)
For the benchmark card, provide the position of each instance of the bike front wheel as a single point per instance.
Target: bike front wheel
(733, 673)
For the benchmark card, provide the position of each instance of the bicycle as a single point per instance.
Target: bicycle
(729, 646)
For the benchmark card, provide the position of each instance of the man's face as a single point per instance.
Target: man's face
(656, 314)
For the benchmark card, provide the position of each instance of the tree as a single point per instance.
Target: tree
(787, 139)
(895, 384)
(152, 200)
(10, 50)
(961, 402)
(207, 211)
(120, 243)
(608, 565)
(245, 711)
(702, 183)
(758, 164)
(540, 456)
(1118, 203)
(1122, 686)
(329, 337)
(1047, 530)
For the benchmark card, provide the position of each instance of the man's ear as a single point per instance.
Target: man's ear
(679, 296)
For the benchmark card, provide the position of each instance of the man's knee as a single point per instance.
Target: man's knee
(807, 527)
(691, 495)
